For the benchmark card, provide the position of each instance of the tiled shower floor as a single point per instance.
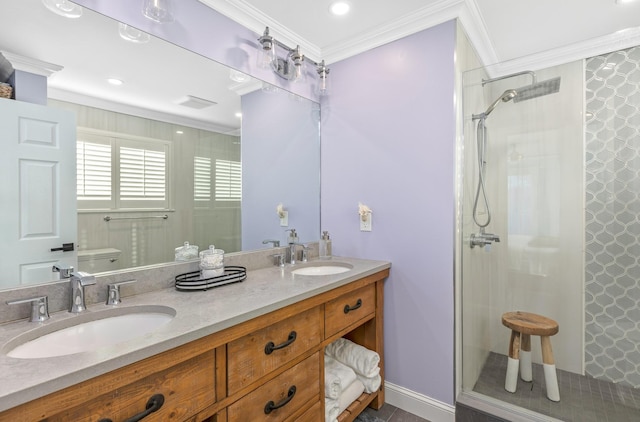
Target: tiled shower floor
(582, 399)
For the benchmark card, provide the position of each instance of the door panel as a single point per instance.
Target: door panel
(38, 191)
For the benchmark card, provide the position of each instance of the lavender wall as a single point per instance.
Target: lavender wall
(279, 166)
(388, 133)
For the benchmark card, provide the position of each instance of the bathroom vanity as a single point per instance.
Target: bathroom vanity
(251, 351)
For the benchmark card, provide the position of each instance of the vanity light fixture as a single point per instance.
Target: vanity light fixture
(291, 67)
(131, 34)
(63, 8)
(157, 10)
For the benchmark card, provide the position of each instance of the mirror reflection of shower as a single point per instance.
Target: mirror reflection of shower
(533, 90)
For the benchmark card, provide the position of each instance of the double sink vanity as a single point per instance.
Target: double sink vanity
(247, 351)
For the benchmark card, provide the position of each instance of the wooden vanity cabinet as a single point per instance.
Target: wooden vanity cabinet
(274, 361)
(185, 377)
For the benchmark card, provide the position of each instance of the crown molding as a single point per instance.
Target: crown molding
(466, 11)
(416, 21)
(31, 65)
(578, 51)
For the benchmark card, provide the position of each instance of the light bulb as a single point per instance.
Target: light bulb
(63, 8)
(157, 10)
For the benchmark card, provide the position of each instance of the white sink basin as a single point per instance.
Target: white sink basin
(88, 331)
(323, 268)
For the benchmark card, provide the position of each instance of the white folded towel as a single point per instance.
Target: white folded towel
(337, 376)
(360, 359)
(331, 410)
(371, 384)
(350, 394)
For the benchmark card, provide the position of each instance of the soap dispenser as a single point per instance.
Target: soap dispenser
(293, 236)
(325, 246)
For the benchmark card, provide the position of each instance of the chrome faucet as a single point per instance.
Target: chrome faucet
(293, 256)
(64, 270)
(78, 281)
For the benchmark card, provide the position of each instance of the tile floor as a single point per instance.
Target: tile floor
(388, 413)
(582, 399)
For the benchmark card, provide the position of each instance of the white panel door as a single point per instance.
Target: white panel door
(37, 192)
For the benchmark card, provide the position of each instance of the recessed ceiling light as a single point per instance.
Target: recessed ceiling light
(114, 81)
(238, 114)
(339, 8)
(179, 132)
(624, 1)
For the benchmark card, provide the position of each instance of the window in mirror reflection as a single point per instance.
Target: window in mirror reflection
(118, 173)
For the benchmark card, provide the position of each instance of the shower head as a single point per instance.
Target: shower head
(506, 96)
(537, 89)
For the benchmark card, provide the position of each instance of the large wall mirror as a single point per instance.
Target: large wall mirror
(233, 148)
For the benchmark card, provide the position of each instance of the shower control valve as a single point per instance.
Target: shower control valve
(483, 239)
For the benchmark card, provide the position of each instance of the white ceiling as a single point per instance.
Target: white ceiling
(518, 34)
(501, 30)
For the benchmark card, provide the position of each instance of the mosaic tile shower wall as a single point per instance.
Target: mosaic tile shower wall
(612, 264)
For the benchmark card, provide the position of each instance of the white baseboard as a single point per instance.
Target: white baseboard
(418, 404)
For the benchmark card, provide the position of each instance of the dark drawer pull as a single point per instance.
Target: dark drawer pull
(271, 406)
(270, 347)
(348, 308)
(153, 404)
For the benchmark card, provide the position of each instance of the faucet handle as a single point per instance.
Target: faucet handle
(278, 259)
(305, 253)
(113, 292)
(64, 270)
(39, 307)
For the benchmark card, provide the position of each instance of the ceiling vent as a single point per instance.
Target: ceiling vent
(196, 102)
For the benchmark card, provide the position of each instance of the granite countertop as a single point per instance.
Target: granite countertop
(198, 314)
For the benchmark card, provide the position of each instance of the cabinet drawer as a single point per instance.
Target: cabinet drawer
(303, 379)
(349, 308)
(187, 388)
(250, 359)
(312, 415)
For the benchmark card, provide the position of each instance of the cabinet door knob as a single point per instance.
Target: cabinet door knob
(348, 308)
(271, 406)
(270, 347)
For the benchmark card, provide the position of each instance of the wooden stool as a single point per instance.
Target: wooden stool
(523, 325)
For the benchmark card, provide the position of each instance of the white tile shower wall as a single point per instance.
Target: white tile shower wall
(535, 184)
(612, 270)
(151, 241)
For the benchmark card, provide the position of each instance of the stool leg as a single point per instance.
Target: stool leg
(511, 380)
(525, 358)
(550, 376)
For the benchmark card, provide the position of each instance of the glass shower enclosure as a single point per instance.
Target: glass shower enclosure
(560, 171)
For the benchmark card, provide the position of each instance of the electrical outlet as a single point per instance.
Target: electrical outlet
(284, 221)
(365, 226)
